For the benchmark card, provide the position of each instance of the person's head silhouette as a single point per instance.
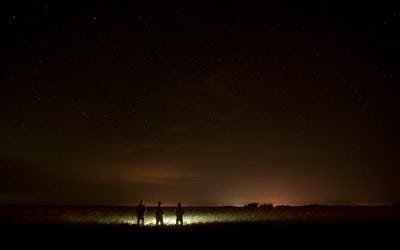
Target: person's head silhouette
(159, 203)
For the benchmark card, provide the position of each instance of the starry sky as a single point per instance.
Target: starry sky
(204, 103)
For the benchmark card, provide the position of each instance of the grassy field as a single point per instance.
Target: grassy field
(310, 225)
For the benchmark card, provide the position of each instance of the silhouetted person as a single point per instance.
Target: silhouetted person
(179, 214)
(140, 211)
(159, 214)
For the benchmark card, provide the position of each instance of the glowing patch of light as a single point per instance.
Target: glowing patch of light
(192, 216)
(204, 217)
(170, 220)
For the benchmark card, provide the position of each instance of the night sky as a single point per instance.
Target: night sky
(204, 103)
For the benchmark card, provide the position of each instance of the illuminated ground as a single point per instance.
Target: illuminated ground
(206, 216)
(226, 226)
(193, 215)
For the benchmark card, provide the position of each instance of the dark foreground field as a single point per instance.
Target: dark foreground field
(384, 233)
(321, 228)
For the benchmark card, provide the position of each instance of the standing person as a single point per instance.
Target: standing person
(159, 214)
(140, 211)
(179, 214)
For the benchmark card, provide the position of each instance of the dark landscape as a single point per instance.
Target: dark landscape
(283, 225)
(265, 123)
